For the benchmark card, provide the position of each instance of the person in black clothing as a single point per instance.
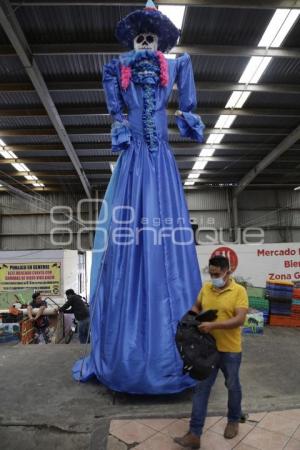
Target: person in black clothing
(81, 313)
(41, 322)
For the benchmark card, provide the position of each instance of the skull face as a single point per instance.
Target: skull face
(146, 41)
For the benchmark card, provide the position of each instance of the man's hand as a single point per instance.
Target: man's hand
(206, 327)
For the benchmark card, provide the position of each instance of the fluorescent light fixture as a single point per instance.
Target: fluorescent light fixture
(215, 138)
(174, 12)
(31, 177)
(7, 154)
(2, 143)
(233, 99)
(221, 121)
(254, 69)
(243, 98)
(273, 28)
(250, 69)
(12, 155)
(20, 167)
(200, 165)
(297, 188)
(286, 27)
(208, 151)
(189, 183)
(38, 184)
(237, 99)
(279, 27)
(194, 175)
(225, 121)
(24, 167)
(260, 71)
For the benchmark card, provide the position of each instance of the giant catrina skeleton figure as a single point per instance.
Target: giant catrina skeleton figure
(145, 273)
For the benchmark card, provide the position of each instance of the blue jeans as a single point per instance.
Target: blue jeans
(229, 365)
(83, 330)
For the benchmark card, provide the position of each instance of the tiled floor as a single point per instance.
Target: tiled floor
(263, 431)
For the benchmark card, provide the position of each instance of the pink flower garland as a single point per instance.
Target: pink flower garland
(164, 72)
(125, 76)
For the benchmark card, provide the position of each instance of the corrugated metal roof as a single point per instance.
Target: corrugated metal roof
(90, 138)
(272, 100)
(95, 24)
(11, 69)
(257, 139)
(213, 99)
(100, 165)
(10, 140)
(223, 26)
(218, 68)
(78, 97)
(71, 23)
(76, 67)
(282, 70)
(19, 98)
(24, 122)
(266, 122)
(86, 120)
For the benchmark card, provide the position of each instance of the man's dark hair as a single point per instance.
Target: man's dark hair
(69, 292)
(35, 295)
(220, 261)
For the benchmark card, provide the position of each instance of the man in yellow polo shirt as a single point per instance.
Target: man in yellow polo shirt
(231, 301)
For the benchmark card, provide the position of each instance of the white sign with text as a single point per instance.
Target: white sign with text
(255, 264)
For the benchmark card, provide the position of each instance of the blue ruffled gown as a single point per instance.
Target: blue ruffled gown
(145, 273)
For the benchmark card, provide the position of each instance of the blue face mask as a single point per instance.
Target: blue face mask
(218, 282)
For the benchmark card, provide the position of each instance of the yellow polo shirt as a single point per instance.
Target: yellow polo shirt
(225, 301)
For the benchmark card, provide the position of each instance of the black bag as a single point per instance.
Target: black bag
(198, 350)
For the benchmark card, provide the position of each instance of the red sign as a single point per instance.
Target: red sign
(230, 254)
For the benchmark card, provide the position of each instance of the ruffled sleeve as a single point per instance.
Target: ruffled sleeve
(120, 132)
(189, 124)
(120, 136)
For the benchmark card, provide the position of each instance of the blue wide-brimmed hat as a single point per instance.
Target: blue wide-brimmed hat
(148, 20)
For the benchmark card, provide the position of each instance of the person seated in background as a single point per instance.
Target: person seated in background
(41, 322)
(80, 310)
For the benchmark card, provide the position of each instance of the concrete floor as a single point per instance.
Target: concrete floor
(41, 406)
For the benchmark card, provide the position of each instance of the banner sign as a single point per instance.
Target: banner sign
(254, 264)
(7, 299)
(37, 276)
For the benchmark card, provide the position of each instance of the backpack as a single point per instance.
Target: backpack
(197, 350)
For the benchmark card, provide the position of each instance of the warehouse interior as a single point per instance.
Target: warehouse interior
(241, 185)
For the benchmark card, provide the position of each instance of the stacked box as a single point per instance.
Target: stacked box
(280, 295)
(295, 316)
